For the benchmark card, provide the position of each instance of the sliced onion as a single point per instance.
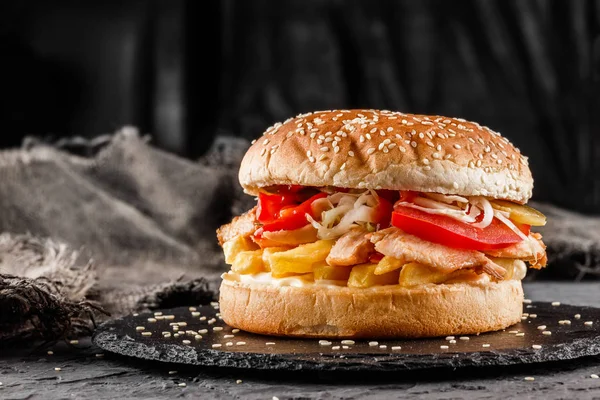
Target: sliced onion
(445, 198)
(425, 202)
(488, 211)
(458, 215)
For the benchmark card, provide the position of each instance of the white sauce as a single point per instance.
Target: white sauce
(265, 278)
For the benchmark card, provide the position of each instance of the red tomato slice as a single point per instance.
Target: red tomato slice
(452, 233)
(293, 217)
(269, 205)
(383, 213)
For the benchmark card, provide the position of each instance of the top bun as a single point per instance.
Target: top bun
(372, 149)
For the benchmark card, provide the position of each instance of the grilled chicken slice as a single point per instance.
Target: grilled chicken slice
(408, 248)
(532, 250)
(352, 248)
(244, 225)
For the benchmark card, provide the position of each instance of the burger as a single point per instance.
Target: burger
(380, 224)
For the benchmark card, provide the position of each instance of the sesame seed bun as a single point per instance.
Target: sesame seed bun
(372, 149)
(379, 312)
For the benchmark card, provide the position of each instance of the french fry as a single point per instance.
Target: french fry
(266, 256)
(327, 272)
(388, 264)
(233, 247)
(248, 262)
(299, 260)
(363, 276)
(415, 274)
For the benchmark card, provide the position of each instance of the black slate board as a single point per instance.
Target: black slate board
(567, 341)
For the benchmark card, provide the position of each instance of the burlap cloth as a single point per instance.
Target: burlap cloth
(115, 224)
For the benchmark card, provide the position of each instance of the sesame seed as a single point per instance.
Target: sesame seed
(195, 314)
(343, 166)
(383, 346)
(421, 135)
(449, 337)
(182, 384)
(536, 346)
(547, 333)
(217, 328)
(345, 347)
(396, 348)
(368, 136)
(146, 333)
(541, 327)
(413, 144)
(186, 341)
(520, 334)
(373, 344)
(335, 348)
(588, 323)
(555, 303)
(324, 343)
(166, 334)
(74, 341)
(50, 352)
(336, 149)
(444, 347)
(216, 345)
(529, 378)
(169, 317)
(371, 151)
(513, 332)
(485, 345)
(452, 341)
(389, 129)
(151, 319)
(238, 381)
(402, 149)
(240, 343)
(577, 316)
(457, 146)
(594, 376)
(324, 148)
(349, 342)
(455, 185)
(464, 338)
(526, 301)
(182, 323)
(270, 344)
(99, 355)
(198, 337)
(229, 344)
(533, 315)
(58, 369)
(172, 372)
(425, 161)
(275, 398)
(139, 328)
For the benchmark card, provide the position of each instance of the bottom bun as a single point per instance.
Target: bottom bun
(378, 312)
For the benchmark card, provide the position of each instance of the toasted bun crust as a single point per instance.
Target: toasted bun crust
(374, 149)
(381, 312)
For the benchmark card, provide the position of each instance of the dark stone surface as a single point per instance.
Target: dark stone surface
(246, 350)
(30, 375)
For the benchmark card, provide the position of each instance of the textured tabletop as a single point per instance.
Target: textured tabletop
(83, 374)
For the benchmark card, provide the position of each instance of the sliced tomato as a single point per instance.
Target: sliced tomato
(293, 217)
(383, 213)
(269, 205)
(452, 233)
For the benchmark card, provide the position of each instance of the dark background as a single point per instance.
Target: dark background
(186, 71)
